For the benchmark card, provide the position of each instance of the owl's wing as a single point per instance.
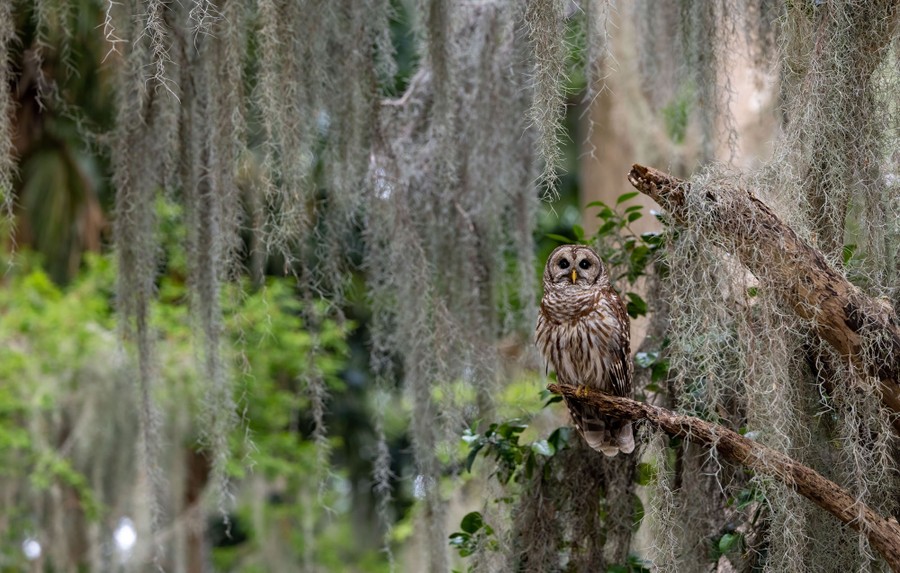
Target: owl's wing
(620, 350)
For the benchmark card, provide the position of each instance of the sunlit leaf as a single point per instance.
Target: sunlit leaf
(543, 447)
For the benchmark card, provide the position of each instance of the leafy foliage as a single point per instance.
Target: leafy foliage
(61, 367)
(474, 534)
(514, 460)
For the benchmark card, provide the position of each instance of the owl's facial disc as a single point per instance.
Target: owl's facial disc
(573, 266)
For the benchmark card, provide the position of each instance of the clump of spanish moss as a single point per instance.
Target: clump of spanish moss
(740, 358)
(568, 514)
(288, 111)
(157, 33)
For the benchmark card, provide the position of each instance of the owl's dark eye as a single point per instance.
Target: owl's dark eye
(563, 264)
(585, 264)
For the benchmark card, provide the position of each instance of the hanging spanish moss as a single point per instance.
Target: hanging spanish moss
(212, 201)
(7, 160)
(292, 36)
(683, 50)
(597, 66)
(141, 136)
(841, 138)
(51, 16)
(203, 14)
(839, 72)
(544, 20)
(158, 36)
(444, 305)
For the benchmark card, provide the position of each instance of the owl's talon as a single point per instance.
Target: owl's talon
(581, 392)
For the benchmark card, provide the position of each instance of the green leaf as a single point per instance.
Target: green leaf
(660, 370)
(579, 232)
(653, 238)
(559, 238)
(472, 522)
(543, 447)
(463, 543)
(512, 428)
(637, 565)
(848, 252)
(636, 306)
(606, 227)
(470, 436)
(639, 257)
(626, 196)
(728, 541)
(646, 473)
(529, 466)
(638, 511)
(553, 400)
(634, 208)
(605, 213)
(560, 437)
(646, 359)
(457, 539)
(470, 459)
(748, 496)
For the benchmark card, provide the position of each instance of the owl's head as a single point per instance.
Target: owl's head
(574, 266)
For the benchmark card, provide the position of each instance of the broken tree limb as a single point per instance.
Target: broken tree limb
(860, 328)
(883, 534)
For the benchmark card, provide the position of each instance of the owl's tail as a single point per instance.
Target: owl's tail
(602, 433)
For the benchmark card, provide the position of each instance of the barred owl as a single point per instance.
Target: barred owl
(583, 334)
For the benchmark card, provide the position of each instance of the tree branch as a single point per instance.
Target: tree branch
(883, 534)
(861, 328)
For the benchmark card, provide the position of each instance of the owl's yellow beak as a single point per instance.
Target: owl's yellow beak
(574, 275)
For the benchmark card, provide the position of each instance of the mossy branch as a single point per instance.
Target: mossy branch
(860, 328)
(883, 534)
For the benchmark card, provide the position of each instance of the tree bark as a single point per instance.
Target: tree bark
(883, 534)
(860, 328)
